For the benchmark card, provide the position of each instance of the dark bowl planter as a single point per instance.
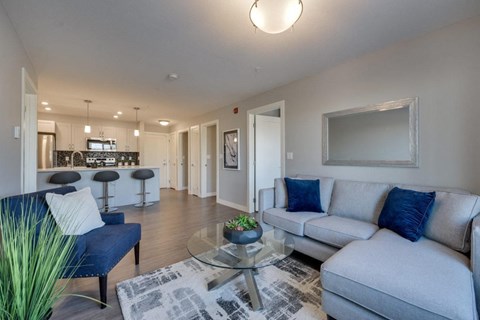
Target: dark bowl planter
(243, 237)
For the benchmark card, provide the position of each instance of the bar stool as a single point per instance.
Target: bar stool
(64, 178)
(143, 174)
(105, 177)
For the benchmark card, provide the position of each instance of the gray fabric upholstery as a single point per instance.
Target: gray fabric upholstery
(280, 193)
(475, 258)
(450, 220)
(313, 248)
(358, 200)
(292, 222)
(342, 309)
(326, 188)
(338, 231)
(430, 188)
(265, 199)
(399, 279)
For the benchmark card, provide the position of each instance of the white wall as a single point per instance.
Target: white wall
(441, 68)
(12, 59)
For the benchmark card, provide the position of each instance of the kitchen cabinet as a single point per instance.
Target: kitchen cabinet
(70, 136)
(126, 141)
(103, 132)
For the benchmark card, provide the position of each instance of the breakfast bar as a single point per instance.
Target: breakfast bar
(125, 190)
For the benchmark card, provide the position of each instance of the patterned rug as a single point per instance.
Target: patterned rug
(289, 290)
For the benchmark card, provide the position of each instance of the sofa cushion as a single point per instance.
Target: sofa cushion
(326, 187)
(292, 222)
(406, 212)
(358, 200)
(400, 279)
(76, 212)
(338, 231)
(303, 195)
(451, 219)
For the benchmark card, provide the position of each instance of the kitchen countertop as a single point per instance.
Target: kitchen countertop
(57, 169)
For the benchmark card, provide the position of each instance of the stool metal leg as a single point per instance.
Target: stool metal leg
(106, 207)
(144, 202)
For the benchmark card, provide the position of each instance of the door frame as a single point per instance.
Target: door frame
(203, 158)
(194, 127)
(28, 132)
(179, 135)
(279, 105)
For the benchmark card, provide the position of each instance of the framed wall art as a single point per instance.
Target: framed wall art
(231, 149)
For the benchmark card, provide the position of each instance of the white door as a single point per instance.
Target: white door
(78, 137)
(172, 160)
(182, 176)
(194, 160)
(63, 131)
(156, 154)
(208, 158)
(268, 152)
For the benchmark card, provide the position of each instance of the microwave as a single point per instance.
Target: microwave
(99, 144)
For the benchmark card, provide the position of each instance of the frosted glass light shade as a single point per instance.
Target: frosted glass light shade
(87, 129)
(275, 16)
(136, 132)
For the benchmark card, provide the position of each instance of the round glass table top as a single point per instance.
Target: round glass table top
(209, 246)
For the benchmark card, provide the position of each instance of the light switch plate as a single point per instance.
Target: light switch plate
(16, 132)
(290, 155)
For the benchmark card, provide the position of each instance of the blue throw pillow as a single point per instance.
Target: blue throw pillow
(303, 195)
(406, 212)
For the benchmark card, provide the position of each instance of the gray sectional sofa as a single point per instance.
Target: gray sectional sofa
(372, 273)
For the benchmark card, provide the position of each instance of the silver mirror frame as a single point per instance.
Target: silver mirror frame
(410, 103)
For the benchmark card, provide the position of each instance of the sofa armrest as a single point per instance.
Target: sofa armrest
(475, 258)
(113, 218)
(266, 200)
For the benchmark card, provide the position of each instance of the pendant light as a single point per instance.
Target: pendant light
(88, 128)
(136, 132)
(275, 16)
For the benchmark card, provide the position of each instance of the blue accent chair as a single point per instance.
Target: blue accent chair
(96, 252)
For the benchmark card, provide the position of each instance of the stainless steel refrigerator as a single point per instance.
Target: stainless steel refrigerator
(46, 147)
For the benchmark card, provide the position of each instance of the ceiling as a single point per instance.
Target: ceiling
(118, 53)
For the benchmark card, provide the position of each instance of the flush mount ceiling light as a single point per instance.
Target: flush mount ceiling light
(44, 103)
(48, 109)
(164, 122)
(136, 132)
(275, 16)
(88, 128)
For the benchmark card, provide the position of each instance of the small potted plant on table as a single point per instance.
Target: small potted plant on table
(243, 229)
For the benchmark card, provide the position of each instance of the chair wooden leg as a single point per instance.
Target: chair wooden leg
(103, 290)
(137, 253)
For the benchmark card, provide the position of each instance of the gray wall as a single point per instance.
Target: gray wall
(13, 58)
(441, 68)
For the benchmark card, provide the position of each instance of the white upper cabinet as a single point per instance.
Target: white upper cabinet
(70, 136)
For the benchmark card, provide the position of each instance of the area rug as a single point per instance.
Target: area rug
(289, 290)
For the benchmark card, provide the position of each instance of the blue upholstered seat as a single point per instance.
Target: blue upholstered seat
(96, 252)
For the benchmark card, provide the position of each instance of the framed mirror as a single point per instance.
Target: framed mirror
(383, 135)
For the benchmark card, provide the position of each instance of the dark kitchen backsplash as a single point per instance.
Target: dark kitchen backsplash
(59, 157)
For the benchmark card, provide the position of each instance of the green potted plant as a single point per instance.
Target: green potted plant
(243, 229)
(33, 253)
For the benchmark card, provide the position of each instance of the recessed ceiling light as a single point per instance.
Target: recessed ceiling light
(48, 109)
(115, 116)
(44, 103)
(119, 112)
(163, 122)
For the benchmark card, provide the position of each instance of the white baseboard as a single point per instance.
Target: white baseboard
(232, 205)
(210, 194)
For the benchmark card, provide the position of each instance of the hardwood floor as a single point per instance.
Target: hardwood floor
(166, 227)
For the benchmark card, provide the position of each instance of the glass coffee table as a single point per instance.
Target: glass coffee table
(209, 246)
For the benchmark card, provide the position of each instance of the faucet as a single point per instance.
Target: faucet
(73, 154)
